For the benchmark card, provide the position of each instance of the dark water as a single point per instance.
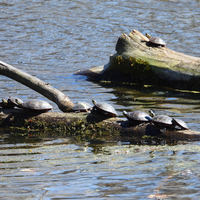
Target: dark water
(52, 40)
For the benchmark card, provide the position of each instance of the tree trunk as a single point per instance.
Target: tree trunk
(63, 102)
(139, 61)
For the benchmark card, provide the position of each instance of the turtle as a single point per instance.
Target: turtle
(12, 101)
(104, 108)
(35, 105)
(137, 117)
(180, 123)
(4, 104)
(82, 107)
(163, 122)
(156, 41)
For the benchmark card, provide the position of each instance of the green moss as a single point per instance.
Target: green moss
(138, 71)
(81, 130)
(133, 70)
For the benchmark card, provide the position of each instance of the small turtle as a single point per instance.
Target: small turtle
(82, 107)
(4, 104)
(158, 42)
(180, 123)
(12, 101)
(35, 105)
(137, 117)
(163, 122)
(104, 108)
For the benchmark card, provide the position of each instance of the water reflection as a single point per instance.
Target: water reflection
(58, 169)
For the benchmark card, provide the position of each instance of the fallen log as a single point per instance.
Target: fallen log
(139, 61)
(83, 126)
(63, 102)
(86, 127)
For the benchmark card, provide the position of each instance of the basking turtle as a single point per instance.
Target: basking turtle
(35, 105)
(104, 108)
(82, 107)
(137, 117)
(4, 104)
(156, 41)
(163, 122)
(12, 101)
(180, 123)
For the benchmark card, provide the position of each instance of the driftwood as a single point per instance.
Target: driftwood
(139, 61)
(63, 102)
(134, 44)
(115, 128)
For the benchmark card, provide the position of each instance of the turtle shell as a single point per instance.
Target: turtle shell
(137, 116)
(162, 121)
(37, 105)
(158, 41)
(82, 107)
(104, 108)
(180, 123)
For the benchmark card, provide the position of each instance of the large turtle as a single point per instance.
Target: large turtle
(104, 108)
(137, 117)
(163, 122)
(35, 105)
(156, 41)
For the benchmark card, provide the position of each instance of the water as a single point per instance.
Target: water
(59, 170)
(52, 40)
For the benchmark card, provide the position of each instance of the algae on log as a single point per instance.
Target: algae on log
(138, 61)
(86, 127)
(63, 102)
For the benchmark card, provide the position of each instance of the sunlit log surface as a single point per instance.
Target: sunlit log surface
(138, 61)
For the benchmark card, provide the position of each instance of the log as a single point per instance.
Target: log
(140, 62)
(63, 102)
(87, 126)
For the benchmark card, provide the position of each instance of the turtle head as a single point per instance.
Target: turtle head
(151, 113)
(94, 102)
(18, 102)
(148, 36)
(124, 113)
(4, 101)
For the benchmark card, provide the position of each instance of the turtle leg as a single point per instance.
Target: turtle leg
(163, 130)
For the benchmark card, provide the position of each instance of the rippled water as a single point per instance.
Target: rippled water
(52, 40)
(58, 170)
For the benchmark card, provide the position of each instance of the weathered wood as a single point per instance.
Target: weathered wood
(135, 60)
(63, 102)
(138, 61)
(119, 128)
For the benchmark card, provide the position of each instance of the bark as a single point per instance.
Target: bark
(63, 102)
(139, 61)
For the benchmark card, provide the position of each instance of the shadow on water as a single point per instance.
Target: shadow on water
(149, 96)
